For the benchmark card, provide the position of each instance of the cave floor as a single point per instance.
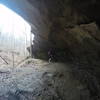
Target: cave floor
(36, 79)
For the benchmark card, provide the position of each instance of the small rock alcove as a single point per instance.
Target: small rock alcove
(72, 29)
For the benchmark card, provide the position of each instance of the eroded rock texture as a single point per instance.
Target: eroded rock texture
(68, 26)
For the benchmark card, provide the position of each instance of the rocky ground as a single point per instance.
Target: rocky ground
(35, 79)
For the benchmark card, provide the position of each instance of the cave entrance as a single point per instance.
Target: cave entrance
(15, 37)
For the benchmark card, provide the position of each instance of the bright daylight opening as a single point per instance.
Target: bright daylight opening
(14, 34)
